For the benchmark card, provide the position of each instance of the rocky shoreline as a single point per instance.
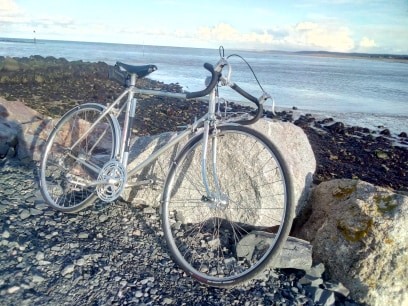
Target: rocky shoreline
(116, 254)
(52, 86)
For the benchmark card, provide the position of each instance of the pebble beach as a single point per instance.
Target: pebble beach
(115, 254)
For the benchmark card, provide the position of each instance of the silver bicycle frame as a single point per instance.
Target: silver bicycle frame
(208, 121)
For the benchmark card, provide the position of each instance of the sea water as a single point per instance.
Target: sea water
(357, 91)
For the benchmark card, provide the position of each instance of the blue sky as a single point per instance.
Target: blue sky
(373, 26)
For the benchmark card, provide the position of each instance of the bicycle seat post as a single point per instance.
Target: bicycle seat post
(133, 78)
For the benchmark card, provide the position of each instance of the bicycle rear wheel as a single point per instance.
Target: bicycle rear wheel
(68, 168)
(229, 236)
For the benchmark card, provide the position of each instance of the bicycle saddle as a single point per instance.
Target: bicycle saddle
(140, 71)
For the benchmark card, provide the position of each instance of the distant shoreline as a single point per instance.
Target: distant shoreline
(387, 57)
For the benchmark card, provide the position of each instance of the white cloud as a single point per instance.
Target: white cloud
(365, 42)
(328, 37)
(8, 8)
(226, 33)
(302, 36)
(10, 12)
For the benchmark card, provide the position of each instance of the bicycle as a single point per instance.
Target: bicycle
(224, 219)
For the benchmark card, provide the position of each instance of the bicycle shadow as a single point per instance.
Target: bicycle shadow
(156, 171)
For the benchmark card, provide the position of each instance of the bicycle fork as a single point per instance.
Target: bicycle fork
(215, 197)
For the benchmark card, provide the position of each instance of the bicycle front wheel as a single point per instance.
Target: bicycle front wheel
(69, 167)
(228, 231)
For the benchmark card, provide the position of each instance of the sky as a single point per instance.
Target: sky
(370, 26)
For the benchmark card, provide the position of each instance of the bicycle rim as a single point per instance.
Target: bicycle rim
(225, 242)
(67, 172)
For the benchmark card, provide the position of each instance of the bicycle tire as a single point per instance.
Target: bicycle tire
(63, 174)
(228, 243)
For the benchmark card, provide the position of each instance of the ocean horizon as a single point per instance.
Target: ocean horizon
(363, 91)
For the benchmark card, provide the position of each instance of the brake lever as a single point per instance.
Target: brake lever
(265, 96)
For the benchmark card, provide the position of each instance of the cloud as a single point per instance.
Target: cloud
(302, 36)
(327, 37)
(224, 32)
(365, 42)
(10, 12)
(8, 8)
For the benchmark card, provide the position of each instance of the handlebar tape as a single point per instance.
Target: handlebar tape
(259, 111)
(215, 76)
(245, 94)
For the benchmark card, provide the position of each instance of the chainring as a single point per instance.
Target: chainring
(111, 181)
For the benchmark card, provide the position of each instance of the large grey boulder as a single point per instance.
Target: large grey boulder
(359, 231)
(290, 139)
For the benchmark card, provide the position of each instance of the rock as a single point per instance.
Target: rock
(385, 132)
(337, 287)
(296, 253)
(13, 289)
(337, 127)
(83, 235)
(68, 270)
(323, 297)
(24, 214)
(40, 256)
(103, 218)
(5, 235)
(38, 279)
(316, 271)
(22, 129)
(359, 231)
(295, 147)
(289, 138)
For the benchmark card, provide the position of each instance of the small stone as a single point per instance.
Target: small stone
(103, 218)
(80, 262)
(322, 296)
(83, 235)
(24, 214)
(5, 235)
(149, 210)
(385, 132)
(317, 270)
(35, 212)
(44, 263)
(41, 206)
(139, 294)
(67, 270)
(337, 287)
(137, 233)
(147, 280)
(40, 256)
(13, 289)
(38, 279)
(168, 301)
(311, 280)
